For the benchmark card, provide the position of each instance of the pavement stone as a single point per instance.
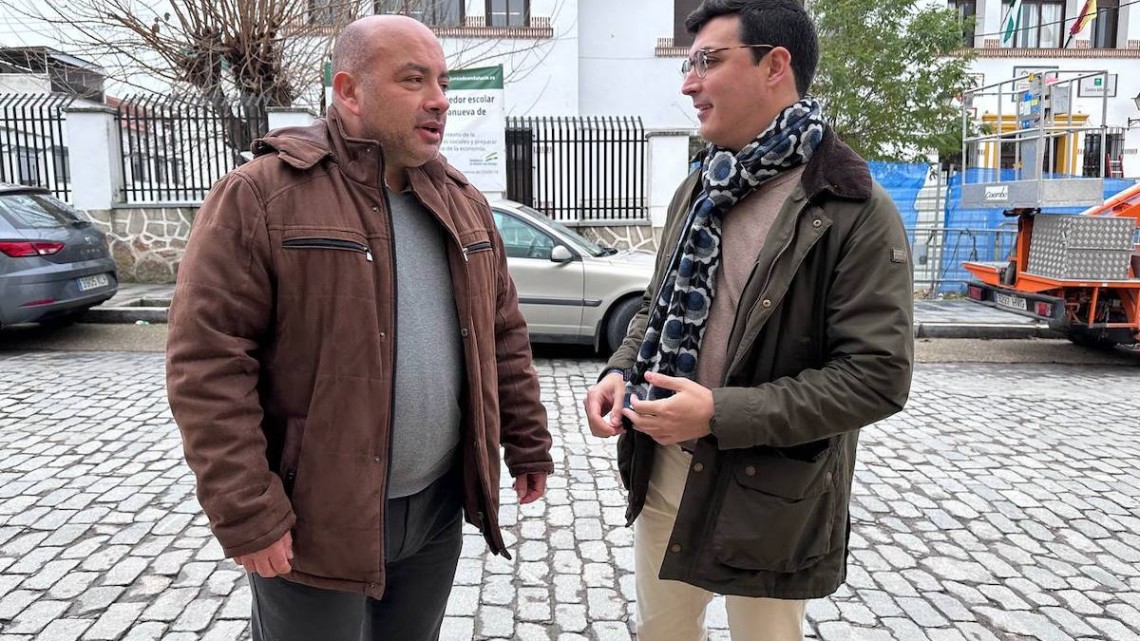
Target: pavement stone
(997, 506)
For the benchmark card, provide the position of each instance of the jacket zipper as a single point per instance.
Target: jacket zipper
(481, 246)
(328, 243)
(392, 386)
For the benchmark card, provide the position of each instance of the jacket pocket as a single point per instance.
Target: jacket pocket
(291, 454)
(778, 513)
(481, 246)
(328, 243)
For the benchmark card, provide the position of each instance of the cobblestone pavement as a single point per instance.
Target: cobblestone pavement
(1001, 505)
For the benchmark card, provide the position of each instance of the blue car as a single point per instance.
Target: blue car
(54, 264)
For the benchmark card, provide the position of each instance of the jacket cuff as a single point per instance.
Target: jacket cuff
(233, 548)
(625, 372)
(545, 467)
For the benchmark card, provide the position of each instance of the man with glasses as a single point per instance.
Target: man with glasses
(778, 323)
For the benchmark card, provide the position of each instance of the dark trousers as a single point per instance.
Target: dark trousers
(424, 538)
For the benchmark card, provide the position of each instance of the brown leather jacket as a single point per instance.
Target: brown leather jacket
(281, 349)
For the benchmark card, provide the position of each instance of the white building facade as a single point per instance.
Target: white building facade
(1109, 43)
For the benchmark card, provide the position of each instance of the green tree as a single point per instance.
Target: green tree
(889, 74)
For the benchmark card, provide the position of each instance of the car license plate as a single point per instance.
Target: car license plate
(1012, 302)
(93, 282)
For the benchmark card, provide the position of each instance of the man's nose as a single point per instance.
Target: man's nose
(691, 83)
(437, 102)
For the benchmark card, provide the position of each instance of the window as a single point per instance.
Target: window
(508, 13)
(330, 12)
(138, 168)
(37, 211)
(1094, 161)
(966, 11)
(1042, 25)
(160, 173)
(60, 164)
(1104, 26)
(28, 165)
(521, 240)
(435, 13)
(681, 10)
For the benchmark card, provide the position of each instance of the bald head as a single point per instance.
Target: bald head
(364, 38)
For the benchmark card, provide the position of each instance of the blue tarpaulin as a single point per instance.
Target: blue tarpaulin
(970, 234)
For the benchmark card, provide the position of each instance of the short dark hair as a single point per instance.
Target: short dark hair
(781, 23)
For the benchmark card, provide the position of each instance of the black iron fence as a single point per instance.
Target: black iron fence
(588, 169)
(33, 150)
(174, 148)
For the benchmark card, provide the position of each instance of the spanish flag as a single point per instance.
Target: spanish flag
(1087, 15)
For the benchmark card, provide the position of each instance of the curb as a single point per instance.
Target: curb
(992, 331)
(128, 314)
(125, 315)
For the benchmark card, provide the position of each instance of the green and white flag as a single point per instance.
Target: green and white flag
(1010, 24)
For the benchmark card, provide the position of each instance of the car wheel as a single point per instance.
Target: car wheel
(618, 323)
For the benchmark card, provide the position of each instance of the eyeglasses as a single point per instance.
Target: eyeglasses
(700, 59)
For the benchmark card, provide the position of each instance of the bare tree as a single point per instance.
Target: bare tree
(249, 53)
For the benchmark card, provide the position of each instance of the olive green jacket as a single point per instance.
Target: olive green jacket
(822, 345)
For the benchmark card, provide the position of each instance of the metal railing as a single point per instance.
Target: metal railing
(174, 148)
(33, 148)
(588, 169)
(938, 253)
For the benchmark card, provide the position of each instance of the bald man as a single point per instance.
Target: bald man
(347, 359)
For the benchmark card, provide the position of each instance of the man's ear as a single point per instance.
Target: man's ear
(779, 66)
(346, 91)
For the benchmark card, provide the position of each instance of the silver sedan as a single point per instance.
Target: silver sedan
(571, 289)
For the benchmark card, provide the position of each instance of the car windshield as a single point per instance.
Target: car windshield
(580, 243)
(38, 211)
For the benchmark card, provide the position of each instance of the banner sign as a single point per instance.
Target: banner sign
(475, 140)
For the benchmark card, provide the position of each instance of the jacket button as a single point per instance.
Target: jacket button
(698, 467)
(828, 477)
(463, 332)
(817, 223)
(675, 548)
(375, 209)
(766, 303)
(376, 458)
(750, 470)
(382, 335)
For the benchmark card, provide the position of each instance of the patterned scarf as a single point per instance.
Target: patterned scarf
(677, 320)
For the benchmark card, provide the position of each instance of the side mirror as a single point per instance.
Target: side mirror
(561, 254)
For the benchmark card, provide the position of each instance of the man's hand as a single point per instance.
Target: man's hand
(603, 406)
(530, 487)
(684, 416)
(270, 562)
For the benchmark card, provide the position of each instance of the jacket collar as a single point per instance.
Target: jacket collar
(836, 169)
(360, 159)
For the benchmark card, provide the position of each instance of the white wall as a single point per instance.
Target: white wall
(619, 73)
(1119, 108)
(536, 71)
(24, 83)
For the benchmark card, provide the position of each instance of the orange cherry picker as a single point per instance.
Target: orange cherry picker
(1080, 272)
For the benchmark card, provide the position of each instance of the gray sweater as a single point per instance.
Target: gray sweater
(429, 353)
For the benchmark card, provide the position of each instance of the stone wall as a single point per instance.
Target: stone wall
(147, 243)
(643, 237)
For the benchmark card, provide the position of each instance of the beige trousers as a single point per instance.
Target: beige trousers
(675, 611)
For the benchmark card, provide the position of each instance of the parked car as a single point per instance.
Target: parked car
(571, 289)
(54, 264)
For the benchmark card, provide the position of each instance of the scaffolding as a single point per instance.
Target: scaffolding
(1044, 116)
